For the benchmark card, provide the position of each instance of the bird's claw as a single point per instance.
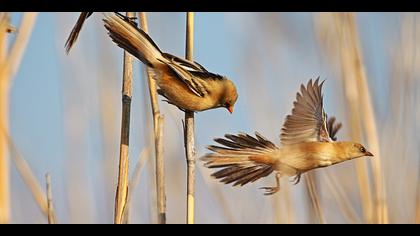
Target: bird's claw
(296, 179)
(270, 190)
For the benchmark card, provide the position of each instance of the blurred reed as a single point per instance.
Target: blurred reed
(403, 122)
(28, 176)
(9, 65)
(354, 72)
(215, 190)
(417, 219)
(314, 197)
(343, 201)
(134, 181)
(344, 38)
(108, 99)
(4, 124)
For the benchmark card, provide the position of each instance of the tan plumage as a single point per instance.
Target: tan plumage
(307, 138)
(185, 84)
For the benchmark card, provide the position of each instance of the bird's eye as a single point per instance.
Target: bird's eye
(362, 149)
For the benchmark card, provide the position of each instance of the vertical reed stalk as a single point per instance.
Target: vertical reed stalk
(357, 79)
(160, 172)
(352, 101)
(278, 208)
(51, 215)
(343, 202)
(189, 137)
(289, 204)
(9, 64)
(4, 124)
(134, 180)
(309, 181)
(122, 187)
(220, 198)
(417, 220)
(158, 121)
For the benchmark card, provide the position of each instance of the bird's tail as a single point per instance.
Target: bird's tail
(243, 158)
(126, 35)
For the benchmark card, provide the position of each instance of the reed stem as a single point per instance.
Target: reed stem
(9, 64)
(51, 214)
(123, 179)
(189, 129)
(158, 122)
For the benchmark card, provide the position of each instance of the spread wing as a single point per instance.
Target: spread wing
(191, 73)
(308, 119)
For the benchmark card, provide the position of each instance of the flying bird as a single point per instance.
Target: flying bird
(308, 142)
(185, 84)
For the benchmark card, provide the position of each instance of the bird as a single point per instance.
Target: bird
(185, 84)
(308, 141)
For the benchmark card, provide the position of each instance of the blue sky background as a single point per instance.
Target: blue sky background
(65, 109)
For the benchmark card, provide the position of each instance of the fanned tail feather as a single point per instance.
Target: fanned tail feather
(243, 158)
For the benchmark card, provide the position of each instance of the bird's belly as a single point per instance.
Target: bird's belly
(316, 161)
(303, 163)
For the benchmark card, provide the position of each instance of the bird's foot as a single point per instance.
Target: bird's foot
(296, 179)
(270, 190)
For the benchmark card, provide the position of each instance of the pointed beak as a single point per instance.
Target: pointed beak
(369, 154)
(230, 109)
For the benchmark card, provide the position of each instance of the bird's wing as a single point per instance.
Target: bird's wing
(186, 64)
(333, 128)
(308, 121)
(191, 73)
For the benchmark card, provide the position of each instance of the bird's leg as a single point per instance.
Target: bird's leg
(296, 179)
(273, 190)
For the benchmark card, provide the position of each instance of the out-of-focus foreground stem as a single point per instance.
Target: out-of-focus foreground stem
(9, 64)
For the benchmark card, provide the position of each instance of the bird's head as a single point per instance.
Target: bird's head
(355, 150)
(230, 96)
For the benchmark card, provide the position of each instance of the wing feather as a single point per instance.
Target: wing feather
(308, 119)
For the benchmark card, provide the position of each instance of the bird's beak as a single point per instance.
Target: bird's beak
(230, 109)
(369, 154)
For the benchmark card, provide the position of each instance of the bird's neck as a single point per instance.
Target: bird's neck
(335, 151)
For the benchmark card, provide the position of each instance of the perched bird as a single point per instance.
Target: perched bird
(308, 142)
(185, 84)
